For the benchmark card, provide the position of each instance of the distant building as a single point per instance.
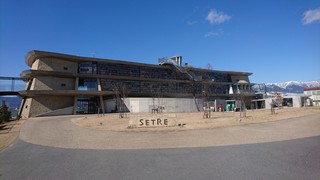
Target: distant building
(266, 100)
(314, 95)
(59, 84)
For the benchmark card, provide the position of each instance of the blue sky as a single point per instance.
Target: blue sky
(276, 40)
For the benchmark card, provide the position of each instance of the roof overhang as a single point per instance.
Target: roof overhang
(33, 55)
(232, 73)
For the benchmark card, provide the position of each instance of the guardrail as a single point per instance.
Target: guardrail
(11, 87)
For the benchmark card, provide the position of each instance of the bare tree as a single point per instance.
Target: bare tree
(273, 104)
(205, 98)
(208, 88)
(241, 103)
(279, 100)
(208, 66)
(121, 92)
(193, 85)
(157, 95)
(243, 108)
(276, 102)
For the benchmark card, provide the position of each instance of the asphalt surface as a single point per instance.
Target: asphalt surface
(292, 159)
(298, 158)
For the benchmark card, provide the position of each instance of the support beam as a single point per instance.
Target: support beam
(76, 83)
(102, 104)
(75, 100)
(100, 97)
(99, 84)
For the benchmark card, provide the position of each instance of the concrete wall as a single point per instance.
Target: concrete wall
(52, 83)
(297, 101)
(26, 109)
(136, 105)
(314, 96)
(63, 111)
(35, 65)
(52, 64)
(43, 104)
(268, 102)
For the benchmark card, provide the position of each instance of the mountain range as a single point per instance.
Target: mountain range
(291, 86)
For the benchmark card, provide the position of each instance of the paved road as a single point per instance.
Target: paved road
(292, 159)
(298, 158)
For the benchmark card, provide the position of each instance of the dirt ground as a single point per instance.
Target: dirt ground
(112, 122)
(9, 131)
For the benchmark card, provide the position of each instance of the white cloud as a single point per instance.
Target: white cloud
(311, 16)
(192, 22)
(216, 17)
(211, 33)
(214, 33)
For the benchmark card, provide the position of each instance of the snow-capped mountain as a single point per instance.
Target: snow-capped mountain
(292, 86)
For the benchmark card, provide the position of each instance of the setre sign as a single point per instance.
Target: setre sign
(152, 121)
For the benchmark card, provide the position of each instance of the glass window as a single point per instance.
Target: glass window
(88, 68)
(87, 84)
(87, 105)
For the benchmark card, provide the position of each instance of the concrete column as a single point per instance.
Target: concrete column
(102, 104)
(29, 84)
(99, 84)
(75, 100)
(76, 83)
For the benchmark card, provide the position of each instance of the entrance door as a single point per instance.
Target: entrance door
(87, 105)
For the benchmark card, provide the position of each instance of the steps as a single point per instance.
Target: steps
(180, 71)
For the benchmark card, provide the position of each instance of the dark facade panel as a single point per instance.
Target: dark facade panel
(210, 75)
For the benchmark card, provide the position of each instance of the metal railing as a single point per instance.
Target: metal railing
(9, 85)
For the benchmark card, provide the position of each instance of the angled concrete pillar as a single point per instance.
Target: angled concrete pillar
(99, 84)
(230, 89)
(102, 104)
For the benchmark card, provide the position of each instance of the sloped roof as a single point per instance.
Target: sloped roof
(311, 89)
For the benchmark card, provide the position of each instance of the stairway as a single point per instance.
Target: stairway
(181, 71)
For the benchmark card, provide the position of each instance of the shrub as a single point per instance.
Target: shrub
(5, 114)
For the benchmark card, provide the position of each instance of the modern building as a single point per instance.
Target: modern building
(314, 94)
(265, 101)
(59, 84)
